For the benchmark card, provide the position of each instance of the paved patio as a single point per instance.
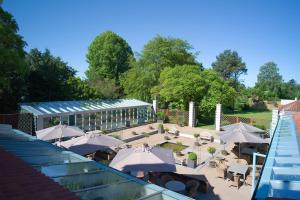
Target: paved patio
(218, 188)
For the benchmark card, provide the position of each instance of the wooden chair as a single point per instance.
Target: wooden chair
(166, 178)
(192, 188)
(221, 171)
(236, 181)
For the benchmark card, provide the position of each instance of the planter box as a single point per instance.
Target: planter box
(160, 121)
(161, 130)
(191, 163)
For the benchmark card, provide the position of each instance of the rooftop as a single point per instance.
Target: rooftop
(71, 107)
(280, 177)
(87, 179)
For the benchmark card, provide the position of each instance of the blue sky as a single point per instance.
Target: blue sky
(258, 30)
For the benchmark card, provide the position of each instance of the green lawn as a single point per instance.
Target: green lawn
(207, 126)
(262, 119)
(264, 115)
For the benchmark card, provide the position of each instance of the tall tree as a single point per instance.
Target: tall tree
(290, 89)
(48, 77)
(80, 90)
(182, 84)
(108, 57)
(269, 81)
(158, 53)
(230, 66)
(12, 63)
(186, 83)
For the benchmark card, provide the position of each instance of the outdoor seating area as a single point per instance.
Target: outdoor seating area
(175, 157)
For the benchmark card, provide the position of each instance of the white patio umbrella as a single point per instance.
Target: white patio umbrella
(58, 132)
(90, 143)
(154, 159)
(241, 133)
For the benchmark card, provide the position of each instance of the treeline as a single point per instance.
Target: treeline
(166, 69)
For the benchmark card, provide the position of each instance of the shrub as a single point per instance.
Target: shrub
(260, 126)
(134, 133)
(160, 126)
(192, 156)
(146, 134)
(160, 115)
(104, 132)
(116, 136)
(166, 129)
(179, 143)
(211, 150)
(196, 135)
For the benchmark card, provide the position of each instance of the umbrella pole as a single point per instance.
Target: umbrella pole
(239, 151)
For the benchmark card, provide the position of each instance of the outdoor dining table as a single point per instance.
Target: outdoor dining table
(176, 186)
(239, 169)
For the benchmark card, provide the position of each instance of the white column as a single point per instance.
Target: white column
(191, 114)
(106, 116)
(154, 105)
(218, 117)
(111, 119)
(89, 121)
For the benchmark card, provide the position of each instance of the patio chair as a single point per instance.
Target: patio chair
(174, 131)
(221, 171)
(192, 187)
(166, 178)
(236, 181)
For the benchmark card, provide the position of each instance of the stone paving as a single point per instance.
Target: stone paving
(219, 188)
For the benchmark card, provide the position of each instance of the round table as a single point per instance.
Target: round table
(176, 186)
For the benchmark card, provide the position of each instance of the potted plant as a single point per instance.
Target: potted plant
(196, 136)
(167, 130)
(161, 128)
(134, 133)
(192, 160)
(212, 150)
(160, 116)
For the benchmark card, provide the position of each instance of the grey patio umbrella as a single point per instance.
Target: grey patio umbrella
(241, 133)
(58, 132)
(243, 126)
(90, 143)
(154, 159)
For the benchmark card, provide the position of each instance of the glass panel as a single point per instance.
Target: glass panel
(86, 125)
(47, 122)
(125, 191)
(68, 169)
(82, 181)
(79, 121)
(71, 120)
(92, 121)
(50, 160)
(113, 120)
(98, 121)
(65, 120)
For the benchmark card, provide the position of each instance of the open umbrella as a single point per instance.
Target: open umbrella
(154, 159)
(243, 126)
(58, 132)
(90, 143)
(241, 133)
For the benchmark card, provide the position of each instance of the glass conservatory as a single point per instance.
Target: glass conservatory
(90, 115)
